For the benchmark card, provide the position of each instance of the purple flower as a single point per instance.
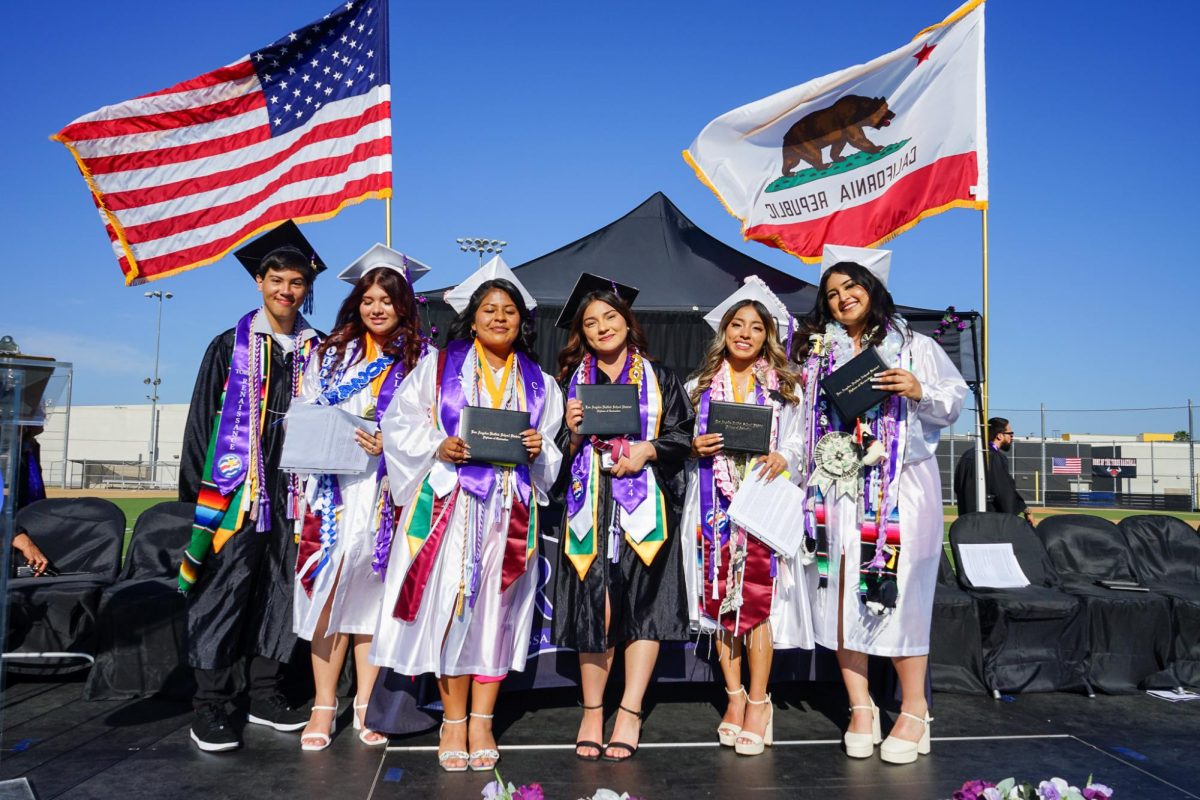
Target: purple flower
(1048, 791)
(531, 792)
(973, 790)
(493, 791)
(421, 299)
(1097, 791)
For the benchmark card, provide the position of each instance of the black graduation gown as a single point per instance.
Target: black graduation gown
(241, 604)
(1001, 489)
(645, 602)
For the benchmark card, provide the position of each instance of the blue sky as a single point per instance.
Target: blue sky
(538, 123)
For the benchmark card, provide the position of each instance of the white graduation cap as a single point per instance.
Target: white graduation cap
(877, 262)
(380, 255)
(460, 296)
(755, 288)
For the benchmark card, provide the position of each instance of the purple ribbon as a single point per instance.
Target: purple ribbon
(628, 492)
(477, 478)
(232, 455)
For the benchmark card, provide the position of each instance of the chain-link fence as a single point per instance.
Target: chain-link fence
(111, 474)
(1153, 466)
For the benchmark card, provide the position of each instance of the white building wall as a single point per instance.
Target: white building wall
(112, 433)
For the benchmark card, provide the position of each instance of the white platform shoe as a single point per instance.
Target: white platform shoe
(902, 751)
(862, 745)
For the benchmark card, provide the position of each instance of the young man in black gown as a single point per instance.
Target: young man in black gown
(238, 570)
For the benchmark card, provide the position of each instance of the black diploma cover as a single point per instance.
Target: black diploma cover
(849, 387)
(494, 435)
(745, 426)
(609, 409)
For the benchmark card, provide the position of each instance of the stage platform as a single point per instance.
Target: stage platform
(1143, 747)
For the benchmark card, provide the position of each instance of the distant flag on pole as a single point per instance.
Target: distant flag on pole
(1066, 466)
(859, 156)
(297, 130)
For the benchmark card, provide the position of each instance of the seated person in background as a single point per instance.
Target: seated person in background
(35, 558)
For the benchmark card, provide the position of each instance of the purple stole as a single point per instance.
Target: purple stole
(475, 479)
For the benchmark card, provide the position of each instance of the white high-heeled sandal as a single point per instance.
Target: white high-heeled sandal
(727, 732)
(325, 738)
(902, 751)
(862, 745)
(363, 730)
(756, 743)
(489, 752)
(461, 755)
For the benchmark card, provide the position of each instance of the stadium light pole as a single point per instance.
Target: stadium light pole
(474, 244)
(153, 384)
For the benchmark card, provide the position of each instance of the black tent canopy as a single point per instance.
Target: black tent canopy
(682, 272)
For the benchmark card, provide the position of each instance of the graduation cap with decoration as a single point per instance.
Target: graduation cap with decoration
(755, 288)
(585, 285)
(460, 296)
(380, 256)
(285, 240)
(877, 262)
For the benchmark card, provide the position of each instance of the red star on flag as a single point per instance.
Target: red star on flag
(923, 54)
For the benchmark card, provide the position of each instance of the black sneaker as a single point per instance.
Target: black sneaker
(211, 730)
(274, 712)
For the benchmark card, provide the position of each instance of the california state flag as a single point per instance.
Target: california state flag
(862, 155)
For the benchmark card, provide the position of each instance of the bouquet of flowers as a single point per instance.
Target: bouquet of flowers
(1053, 789)
(499, 790)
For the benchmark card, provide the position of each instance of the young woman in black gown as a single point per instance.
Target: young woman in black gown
(619, 577)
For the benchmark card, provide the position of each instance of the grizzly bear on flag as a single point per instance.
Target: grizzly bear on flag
(836, 126)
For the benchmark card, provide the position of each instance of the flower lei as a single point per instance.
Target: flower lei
(878, 514)
(724, 467)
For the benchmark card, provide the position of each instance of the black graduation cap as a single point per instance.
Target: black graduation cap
(286, 236)
(587, 284)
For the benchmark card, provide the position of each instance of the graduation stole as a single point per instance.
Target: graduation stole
(644, 524)
(877, 494)
(719, 478)
(429, 516)
(232, 481)
(382, 374)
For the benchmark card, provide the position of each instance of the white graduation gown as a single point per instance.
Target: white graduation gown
(791, 617)
(359, 590)
(905, 631)
(493, 637)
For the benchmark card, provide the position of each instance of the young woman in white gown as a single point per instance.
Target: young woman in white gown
(873, 513)
(339, 584)
(752, 598)
(463, 573)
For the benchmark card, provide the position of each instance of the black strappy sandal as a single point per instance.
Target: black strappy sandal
(630, 749)
(584, 743)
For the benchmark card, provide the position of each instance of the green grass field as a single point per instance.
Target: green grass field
(133, 507)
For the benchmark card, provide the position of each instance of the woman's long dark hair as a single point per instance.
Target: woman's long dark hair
(880, 311)
(460, 328)
(406, 341)
(572, 354)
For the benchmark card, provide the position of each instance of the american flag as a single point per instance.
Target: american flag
(296, 130)
(1065, 466)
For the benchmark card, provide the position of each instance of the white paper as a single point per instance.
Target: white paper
(771, 511)
(1174, 697)
(991, 566)
(320, 439)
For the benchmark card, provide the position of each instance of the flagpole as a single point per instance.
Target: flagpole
(387, 229)
(984, 448)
